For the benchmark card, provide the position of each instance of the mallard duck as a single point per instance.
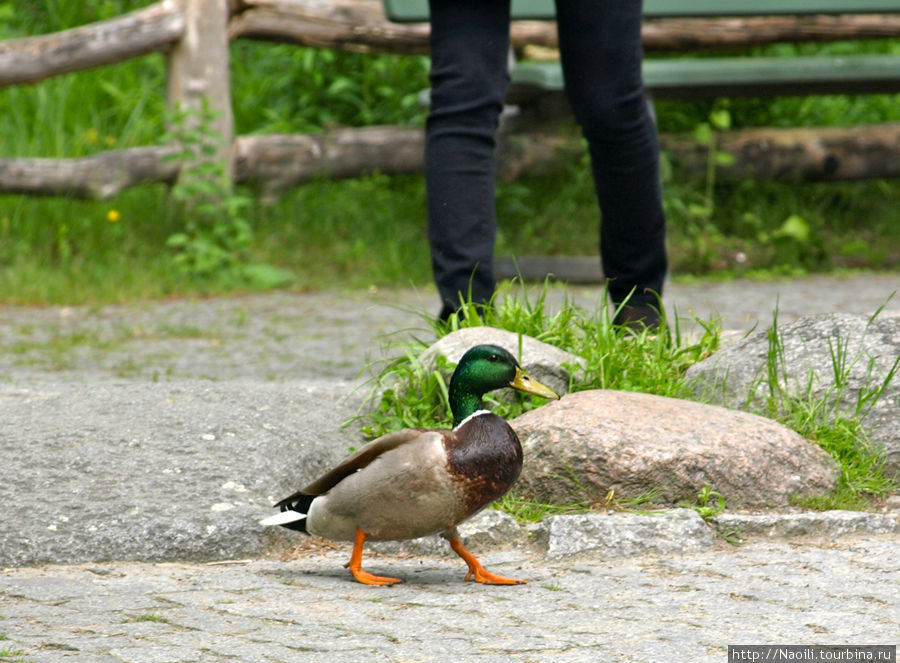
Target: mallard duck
(418, 482)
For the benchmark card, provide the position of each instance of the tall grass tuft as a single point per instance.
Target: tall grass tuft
(406, 394)
(831, 419)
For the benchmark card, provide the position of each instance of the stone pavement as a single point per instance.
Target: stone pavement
(94, 400)
(643, 609)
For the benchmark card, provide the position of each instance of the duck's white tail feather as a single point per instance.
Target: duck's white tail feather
(283, 518)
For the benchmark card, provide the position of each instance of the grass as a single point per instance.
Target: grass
(154, 617)
(332, 234)
(327, 234)
(371, 231)
(527, 510)
(653, 363)
(407, 394)
(829, 419)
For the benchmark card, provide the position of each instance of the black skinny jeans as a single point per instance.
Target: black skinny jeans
(600, 48)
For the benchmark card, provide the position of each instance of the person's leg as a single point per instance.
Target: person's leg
(600, 46)
(469, 78)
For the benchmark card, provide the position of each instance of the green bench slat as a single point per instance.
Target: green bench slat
(721, 76)
(415, 11)
(754, 76)
(676, 8)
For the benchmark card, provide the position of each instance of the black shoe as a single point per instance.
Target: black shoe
(638, 318)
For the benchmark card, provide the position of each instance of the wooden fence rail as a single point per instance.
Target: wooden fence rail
(150, 30)
(194, 34)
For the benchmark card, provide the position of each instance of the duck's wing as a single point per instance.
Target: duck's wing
(357, 461)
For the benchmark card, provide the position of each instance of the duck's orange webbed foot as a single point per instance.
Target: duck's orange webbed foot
(355, 565)
(476, 571)
(367, 578)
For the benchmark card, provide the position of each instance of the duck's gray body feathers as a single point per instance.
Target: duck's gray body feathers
(404, 493)
(413, 483)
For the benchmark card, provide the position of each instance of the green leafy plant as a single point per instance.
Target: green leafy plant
(290, 89)
(695, 211)
(217, 237)
(412, 395)
(705, 134)
(710, 503)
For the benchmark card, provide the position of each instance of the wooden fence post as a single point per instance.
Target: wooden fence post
(199, 68)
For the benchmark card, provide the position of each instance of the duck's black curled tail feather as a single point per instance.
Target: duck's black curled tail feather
(298, 503)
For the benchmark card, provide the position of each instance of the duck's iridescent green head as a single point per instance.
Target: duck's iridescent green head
(484, 368)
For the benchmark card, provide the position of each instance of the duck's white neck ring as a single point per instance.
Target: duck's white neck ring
(477, 413)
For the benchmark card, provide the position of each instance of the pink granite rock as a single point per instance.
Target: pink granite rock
(594, 441)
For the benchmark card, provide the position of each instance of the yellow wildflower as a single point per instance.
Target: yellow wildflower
(113, 215)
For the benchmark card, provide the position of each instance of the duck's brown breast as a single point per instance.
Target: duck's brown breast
(484, 457)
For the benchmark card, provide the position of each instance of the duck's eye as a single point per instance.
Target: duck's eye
(494, 358)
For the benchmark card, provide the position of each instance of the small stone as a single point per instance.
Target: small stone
(819, 525)
(624, 535)
(490, 528)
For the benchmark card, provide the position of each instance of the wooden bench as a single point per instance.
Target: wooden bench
(695, 76)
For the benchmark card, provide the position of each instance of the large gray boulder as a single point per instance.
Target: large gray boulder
(819, 357)
(591, 442)
(158, 471)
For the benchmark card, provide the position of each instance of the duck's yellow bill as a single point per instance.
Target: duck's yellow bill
(526, 383)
